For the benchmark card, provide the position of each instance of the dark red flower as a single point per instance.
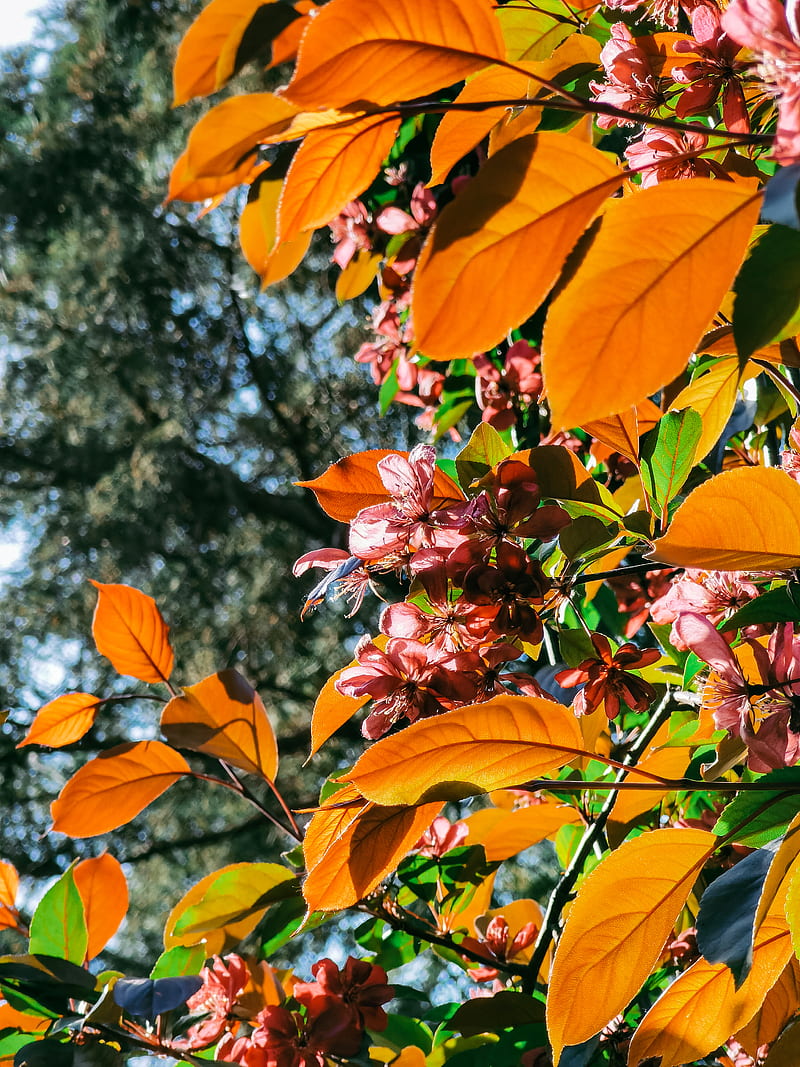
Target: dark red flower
(606, 679)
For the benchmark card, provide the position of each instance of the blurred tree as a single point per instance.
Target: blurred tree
(154, 411)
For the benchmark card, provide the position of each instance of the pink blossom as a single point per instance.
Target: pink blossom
(771, 31)
(606, 679)
(500, 392)
(448, 623)
(360, 987)
(714, 594)
(658, 156)
(715, 70)
(351, 231)
(665, 11)
(631, 84)
(442, 836)
(223, 983)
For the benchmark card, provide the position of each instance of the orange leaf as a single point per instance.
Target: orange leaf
(366, 844)
(104, 892)
(744, 519)
(786, 1050)
(505, 833)
(110, 790)
(271, 259)
(354, 483)
(253, 38)
(781, 1004)
(617, 926)
(495, 745)
(607, 343)
(285, 45)
(63, 720)
(330, 168)
(9, 886)
(227, 135)
(184, 187)
(701, 1009)
(362, 50)
(224, 717)
(529, 33)
(459, 131)
(20, 1020)
(196, 62)
(527, 205)
(129, 630)
(620, 432)
(332, 708)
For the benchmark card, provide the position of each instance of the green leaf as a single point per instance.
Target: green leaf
(668, 452)
(492, 1014)
(484, 450)
(236, 894)
(778, 605)
(402, 1032)
(767, 290)
(178, 961)
(585, 534)
(772, 822)
(58, 926)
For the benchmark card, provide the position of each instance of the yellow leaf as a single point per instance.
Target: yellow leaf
(362, 846)
(110, 790)
(354, 483)
(607, 343)
(701, 1009)
(505, 833)
(9, 885)
(778, 883)
(495, 745)
(665, 762)
(744, 519)
(617, 926)
(529, 33)
(358, 275)
(196, 62)
(356, 50)
(782, 1002)
(331, 168)
(130, 631)
(225, 906)
(228, 134)
(712, 396)
(224, 717)
(271, 259)
(63, 720)
(103, 890)
(460, 131)
(510, 230)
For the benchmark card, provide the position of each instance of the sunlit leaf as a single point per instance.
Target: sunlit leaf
(184, 187)
(620, 432)
(617, 926)
(495, 745)
(527, 205)
(333, 709)
(358, 275)
(505, 833)
(367, 843)
(713, 396)
(253, 38)
(744, 519)
(781, 1003)
(354, 483)
(232, 898)
(58, 925)
(224, 717)
(701, 1008)
(481, 454)
(110, 790)
(130, 631)
(668, 455)
(607, 343)
(758, 818)
(225, 138)
(103, 890)
(9, 886)
(530, 33)
(63, 720)
(330, 168)
(194, 73)
(271, 259)
(358, 50)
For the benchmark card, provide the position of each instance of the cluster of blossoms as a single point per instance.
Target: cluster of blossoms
(326, 1017)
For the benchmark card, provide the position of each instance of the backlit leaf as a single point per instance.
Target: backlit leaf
(130, 631)
(233, 896)
(668, 455)
(226, 136)
(224, 717)
(528, 204)
(354, 483)
(712, 396)
(220, 923)
(620, 432)
(363, 49)
(358, 275)
(9, 885)
(367, 843)
(744, 519)
(759, 827)
(505, 833)
(481, 454)
(195, 68)
(530, 33)
(58, 926)
(333, 709)
(103, 890)
(607, 343)
(781, 1003)
(495, 745)
(617, 927)
(330, 168)
(460, 131)
(253, 38)
(271, 259)
(701, 1008)
(63, 720)
(110, 790)
(184, 187)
